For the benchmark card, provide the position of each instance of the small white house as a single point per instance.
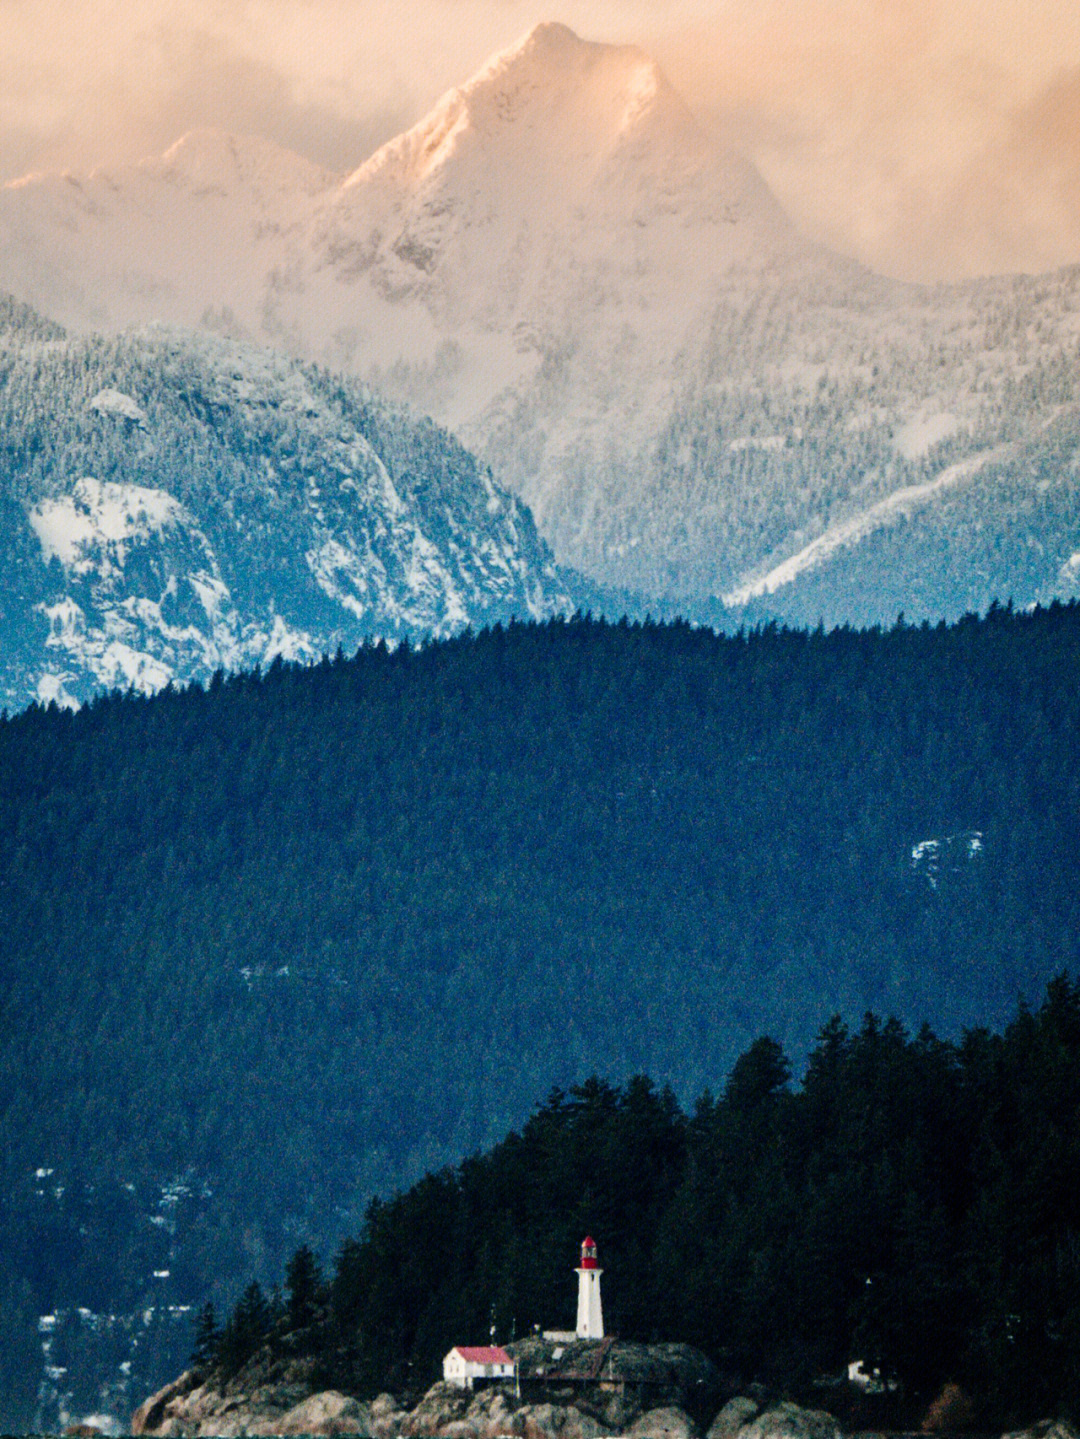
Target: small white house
(869, 1378)
(466, 1364)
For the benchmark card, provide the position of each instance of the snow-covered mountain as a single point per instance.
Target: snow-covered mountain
(614, 312)
(173, 504)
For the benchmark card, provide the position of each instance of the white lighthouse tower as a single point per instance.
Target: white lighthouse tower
(590, 1317)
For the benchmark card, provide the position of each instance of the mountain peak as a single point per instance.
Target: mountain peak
(218, 159)
(553, 55)
(549, 93)
(552, 35)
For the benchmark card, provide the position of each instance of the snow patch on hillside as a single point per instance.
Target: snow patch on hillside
(850, 532)
(1069, 573)
(922, 433)
(52, 689)
(115, 402)
(93, 527)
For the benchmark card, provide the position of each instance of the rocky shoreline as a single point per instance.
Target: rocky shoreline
(640, 1392)
(190, 1408)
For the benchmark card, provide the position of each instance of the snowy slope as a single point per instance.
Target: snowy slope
(171, 505)
(615, 314)
(195, 236)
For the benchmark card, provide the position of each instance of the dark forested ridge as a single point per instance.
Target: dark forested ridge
(911, 1204)
(275, 946)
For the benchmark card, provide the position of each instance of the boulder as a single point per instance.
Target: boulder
(330, 1412)
(441, 1405)
(734, 1416)
(554, 1421)
(151, 1411)
(667, 1423)
(574, 1424)
(459, 1429)
(493, 1414)
(1046, 1429)
(538, 1421)
(789, 1421)
(387, 1418)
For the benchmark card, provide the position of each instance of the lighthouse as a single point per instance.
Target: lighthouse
(590, 1317)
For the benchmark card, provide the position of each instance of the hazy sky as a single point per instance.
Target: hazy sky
(928, 138)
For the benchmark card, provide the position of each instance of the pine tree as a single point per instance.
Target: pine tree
(304, 1289)
(204, 1351)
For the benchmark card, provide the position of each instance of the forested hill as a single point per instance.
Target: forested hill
(912, 1204)
(274, 946)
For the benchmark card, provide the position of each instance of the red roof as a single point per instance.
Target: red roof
(483, 1354)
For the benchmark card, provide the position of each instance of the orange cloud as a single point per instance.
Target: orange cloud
(926, 138)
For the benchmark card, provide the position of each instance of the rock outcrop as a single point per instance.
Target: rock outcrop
(616, 1381)
(267, 1397)
(554, 1421)
(789, 1421)
(570, 1391)
(443, 1404)
(330, 1412)
(387, 1417)
(667, 1423)
(150, 1413)
(733, 1417)
(492, 1413)
(1046, 1429)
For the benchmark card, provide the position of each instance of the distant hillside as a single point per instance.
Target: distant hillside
(275, 946)
(172, 503)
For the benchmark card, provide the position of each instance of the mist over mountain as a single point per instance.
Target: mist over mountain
(172, 504)
(616, 315)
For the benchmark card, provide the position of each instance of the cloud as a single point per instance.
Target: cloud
(1015, 205)
(924, 137)
(136, 96)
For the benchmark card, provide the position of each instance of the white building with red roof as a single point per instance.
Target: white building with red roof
(465, 1364)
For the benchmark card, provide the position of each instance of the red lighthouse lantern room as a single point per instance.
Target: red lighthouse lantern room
(588, 1252)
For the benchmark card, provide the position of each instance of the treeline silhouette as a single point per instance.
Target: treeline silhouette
(276, 946)
(912, 1203)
